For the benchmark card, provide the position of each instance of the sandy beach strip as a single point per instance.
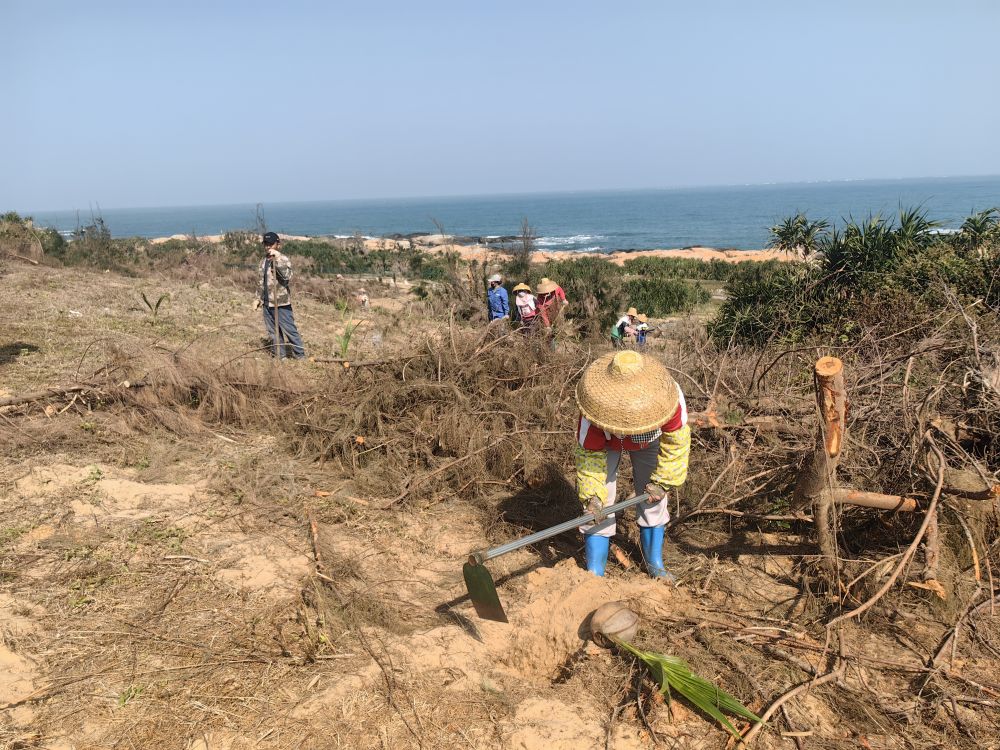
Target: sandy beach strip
(439, 244)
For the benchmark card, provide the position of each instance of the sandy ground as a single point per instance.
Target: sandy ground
(481, 253)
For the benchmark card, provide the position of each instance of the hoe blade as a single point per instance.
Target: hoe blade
(483, 592)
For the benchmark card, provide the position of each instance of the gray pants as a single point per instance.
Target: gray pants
(643, 465)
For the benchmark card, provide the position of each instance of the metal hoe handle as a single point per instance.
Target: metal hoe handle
(481, 556)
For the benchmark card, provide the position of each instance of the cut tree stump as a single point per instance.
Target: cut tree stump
(818, 478)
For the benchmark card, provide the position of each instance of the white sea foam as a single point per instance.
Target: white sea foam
(576, 239)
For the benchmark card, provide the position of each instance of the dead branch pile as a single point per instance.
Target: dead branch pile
(468, 416)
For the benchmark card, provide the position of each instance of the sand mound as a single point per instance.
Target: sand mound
(552, 624)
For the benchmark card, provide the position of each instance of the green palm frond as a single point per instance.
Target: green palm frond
(673, 673)
(154, 307)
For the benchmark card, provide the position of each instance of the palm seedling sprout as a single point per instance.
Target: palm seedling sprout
(673, 673)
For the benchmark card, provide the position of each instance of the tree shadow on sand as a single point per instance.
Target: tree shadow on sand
(548, 500)
(10, 352)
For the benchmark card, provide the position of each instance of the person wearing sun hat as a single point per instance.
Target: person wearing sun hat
(624, 327)
(551, 300)
(524, 304)
(629, 403)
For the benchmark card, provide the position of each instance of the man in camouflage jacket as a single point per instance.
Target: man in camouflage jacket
(273, 293)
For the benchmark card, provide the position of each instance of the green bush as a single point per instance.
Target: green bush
(53, 243)
(680, 268)
(663, 296)
(763, 301)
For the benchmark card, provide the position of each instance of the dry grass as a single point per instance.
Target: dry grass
(466, 438)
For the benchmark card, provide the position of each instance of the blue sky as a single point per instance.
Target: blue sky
(188, 103)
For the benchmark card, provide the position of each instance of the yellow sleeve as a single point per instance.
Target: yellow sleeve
(591, 474)
(672, 460)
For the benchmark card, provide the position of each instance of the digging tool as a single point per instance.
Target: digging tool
(479, 582)
(277, 325)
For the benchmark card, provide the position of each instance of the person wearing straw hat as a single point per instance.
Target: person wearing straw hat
(624, 327)
(551, 300)
(496, 299)
(629, 403)
(524, 304)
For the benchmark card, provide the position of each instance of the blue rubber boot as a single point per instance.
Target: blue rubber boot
(651, 538)
(597, 548)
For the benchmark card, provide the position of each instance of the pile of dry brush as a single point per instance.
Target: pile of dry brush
(481, 417)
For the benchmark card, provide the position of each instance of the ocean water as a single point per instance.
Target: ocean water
(723, 217)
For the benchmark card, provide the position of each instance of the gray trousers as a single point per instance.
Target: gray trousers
(643, 465)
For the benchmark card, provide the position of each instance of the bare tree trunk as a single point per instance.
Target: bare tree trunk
(818, 478)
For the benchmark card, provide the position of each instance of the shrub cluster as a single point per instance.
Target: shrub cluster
(878, 274)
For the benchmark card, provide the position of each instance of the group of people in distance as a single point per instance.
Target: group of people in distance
(530, 309)
(543, 306)
(630, 327)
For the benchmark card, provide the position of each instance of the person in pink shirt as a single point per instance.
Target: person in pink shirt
(525, 304)
(551, 300)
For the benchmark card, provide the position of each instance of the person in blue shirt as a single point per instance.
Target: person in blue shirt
(497, 300)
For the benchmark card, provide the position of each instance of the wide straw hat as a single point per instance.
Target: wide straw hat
(627, 393)
(643, 318)
(547, 285)
(632, 312)
(522, 287)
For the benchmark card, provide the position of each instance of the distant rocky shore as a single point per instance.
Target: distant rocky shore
(482, 248)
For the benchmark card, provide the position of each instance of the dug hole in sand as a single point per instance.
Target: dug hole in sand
(549, 626)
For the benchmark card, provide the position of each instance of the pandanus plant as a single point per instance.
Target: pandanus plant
(797, 234)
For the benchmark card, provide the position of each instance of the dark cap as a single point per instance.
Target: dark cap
(270, 238)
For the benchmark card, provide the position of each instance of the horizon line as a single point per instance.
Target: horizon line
(96, 207)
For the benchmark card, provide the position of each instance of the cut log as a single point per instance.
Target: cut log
(874, 500)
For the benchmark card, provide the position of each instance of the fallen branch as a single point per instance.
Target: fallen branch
(946, 642)
(781, 700)
(741, 514)
(27, 398)
(874, 500)
(21, 257)
(990, 493)
(349, 363)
